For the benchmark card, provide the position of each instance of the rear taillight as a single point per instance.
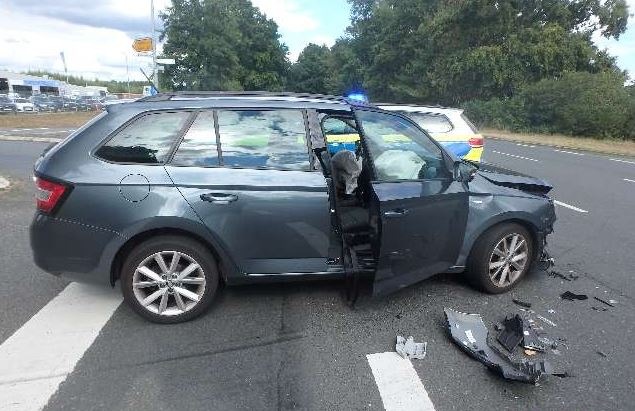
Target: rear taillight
(476, 142)
(48, 194)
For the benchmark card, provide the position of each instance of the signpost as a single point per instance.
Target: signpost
(143, 45)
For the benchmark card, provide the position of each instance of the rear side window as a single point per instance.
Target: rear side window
(263, 138)
(198, 147)
(147, 139)
(431, 122)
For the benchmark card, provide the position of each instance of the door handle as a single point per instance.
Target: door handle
(398, 212)
(219, 198)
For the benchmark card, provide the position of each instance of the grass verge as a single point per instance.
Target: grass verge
(51, 120)
(603, 146)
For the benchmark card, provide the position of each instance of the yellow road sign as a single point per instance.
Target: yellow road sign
(142, 44)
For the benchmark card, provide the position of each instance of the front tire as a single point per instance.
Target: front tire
(501, 257)
(169, 279)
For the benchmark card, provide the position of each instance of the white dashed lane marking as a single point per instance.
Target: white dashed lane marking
(622, 161)
(38, 357)
(399, 385)
(569, 206)
(569, 152)
(514, 156)
(525, 145)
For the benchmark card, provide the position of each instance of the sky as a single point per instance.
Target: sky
(96, 36)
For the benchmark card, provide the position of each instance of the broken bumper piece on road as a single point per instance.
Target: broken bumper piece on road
(469, 332)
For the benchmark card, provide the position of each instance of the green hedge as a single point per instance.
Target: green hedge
(577, 104)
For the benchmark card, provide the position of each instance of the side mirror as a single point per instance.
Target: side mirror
(464, 171)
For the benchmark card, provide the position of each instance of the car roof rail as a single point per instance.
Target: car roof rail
(418, 105)
(220, 94)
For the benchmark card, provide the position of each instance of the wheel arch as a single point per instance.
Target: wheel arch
(523, 219)
(223, 261)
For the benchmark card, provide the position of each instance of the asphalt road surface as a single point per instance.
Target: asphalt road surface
(299, 346)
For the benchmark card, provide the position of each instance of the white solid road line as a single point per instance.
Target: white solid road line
(569, 206)
(36, 359)
(629, 180)
(622, 161)
(399, 385)
(515, 156)
(569, 152)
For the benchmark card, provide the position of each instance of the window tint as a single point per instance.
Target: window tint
(273, 138)
(399, 150)
(198, 147)
(430, 122)
(147, 140)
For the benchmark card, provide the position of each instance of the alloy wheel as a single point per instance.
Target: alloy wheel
(168, 283)
(508, 260)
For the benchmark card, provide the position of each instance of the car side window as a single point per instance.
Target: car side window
(399, 150)
(148, 139)
(340, 134)
(431, 122)
(263, 138)
(198, 148)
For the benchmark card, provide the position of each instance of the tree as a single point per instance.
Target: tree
(451, 51)
(310, 74)
(222, 45)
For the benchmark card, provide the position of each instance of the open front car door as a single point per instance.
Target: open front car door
(423, 209)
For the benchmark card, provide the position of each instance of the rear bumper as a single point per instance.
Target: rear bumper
(72, 250)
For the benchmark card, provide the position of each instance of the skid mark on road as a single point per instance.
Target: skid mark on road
(514, 156)
(569, 206)
(399, 385)
(36, 359)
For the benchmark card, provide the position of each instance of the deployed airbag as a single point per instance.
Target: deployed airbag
(398, 165)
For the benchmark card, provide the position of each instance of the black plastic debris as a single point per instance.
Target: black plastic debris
(512, 333)
(469, 332)
(568, 295)
(610, 303)
(602, 353)
(530, 339)
(521, 303)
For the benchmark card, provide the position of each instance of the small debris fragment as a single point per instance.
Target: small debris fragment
(563, 374)
(409, 349)
(521, 303)
(512, 333)
(568, 295)
(598, 308)
(530, 352)
(551, 311)
(610, 303)
(567, 277)
(602, 354)
(546, 320)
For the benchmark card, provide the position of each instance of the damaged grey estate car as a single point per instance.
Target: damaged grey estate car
(174, 193)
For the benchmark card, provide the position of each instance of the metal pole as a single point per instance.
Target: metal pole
(155, 77)
(128, 73)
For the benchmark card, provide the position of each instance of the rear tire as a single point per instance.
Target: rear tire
(169, 279)
(501, 257)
